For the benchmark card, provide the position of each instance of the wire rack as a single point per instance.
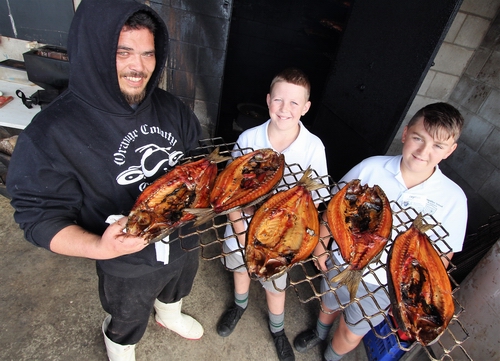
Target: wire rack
(305, 278)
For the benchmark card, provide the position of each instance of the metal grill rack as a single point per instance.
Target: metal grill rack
(305, 278)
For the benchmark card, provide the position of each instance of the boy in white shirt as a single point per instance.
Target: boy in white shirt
(412, 179)
(288, 100)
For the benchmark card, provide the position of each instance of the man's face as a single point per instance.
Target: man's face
(135, 62)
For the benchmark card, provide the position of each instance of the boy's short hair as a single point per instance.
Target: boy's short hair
(441, 120)
(292, 76)
(140, 20)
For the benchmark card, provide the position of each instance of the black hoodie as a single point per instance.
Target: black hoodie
(89, 154)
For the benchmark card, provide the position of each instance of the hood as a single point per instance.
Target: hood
(92, 43)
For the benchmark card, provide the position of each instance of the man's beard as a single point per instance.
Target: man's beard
(134, 98)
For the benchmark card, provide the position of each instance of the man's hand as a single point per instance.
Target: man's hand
(78, 242)
(114, 242)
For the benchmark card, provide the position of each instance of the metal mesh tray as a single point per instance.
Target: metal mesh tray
(304, 278)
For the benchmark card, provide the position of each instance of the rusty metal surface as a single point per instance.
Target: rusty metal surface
(305, 279)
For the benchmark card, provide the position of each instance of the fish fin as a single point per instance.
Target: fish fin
(309, 183)
(163, 234)
(202, 215)
(377, 257)
(215, 156)
(350, 279)
(419, 224)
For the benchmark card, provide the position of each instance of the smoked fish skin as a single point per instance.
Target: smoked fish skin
(247, 178)
(419, 285)
(159, 209)
(245, 181)
(283, 231)
(360, 220)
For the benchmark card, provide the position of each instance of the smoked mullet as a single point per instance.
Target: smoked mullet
(245, 181)
(283, 231)
(360, 220)
(419, 285)
(160, 208)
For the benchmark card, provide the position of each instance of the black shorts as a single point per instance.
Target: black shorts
(130, 301)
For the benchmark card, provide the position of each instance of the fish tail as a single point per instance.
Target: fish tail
(308, 183)
(349, 278)
(202, 215)
(419, 224)
(215, 156)
(161, 236)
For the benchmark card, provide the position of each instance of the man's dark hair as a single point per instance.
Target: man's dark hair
(141, 19)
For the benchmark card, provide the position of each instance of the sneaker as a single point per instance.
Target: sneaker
(229, 319)
(283, 347)
(306, 340)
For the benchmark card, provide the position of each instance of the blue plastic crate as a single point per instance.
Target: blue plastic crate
(386, 349)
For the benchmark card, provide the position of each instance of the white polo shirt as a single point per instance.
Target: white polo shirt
(307, 150)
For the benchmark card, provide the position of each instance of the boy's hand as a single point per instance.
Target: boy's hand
(321, 256)
(239, 226)
(321, 251)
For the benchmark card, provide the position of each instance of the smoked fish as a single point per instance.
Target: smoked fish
(245, 181)
(159, 209)
(283, 231)
(419, 285)
(360, 220)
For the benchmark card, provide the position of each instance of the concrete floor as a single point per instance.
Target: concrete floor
(50, 310)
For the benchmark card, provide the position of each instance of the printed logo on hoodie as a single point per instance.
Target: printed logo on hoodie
(152, 156)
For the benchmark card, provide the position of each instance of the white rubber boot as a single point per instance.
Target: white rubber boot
(169, 315)
(117, 352)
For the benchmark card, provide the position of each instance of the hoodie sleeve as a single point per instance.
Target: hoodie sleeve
(44, 200)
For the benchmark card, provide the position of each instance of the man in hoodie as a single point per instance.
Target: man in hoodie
(91, 152)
